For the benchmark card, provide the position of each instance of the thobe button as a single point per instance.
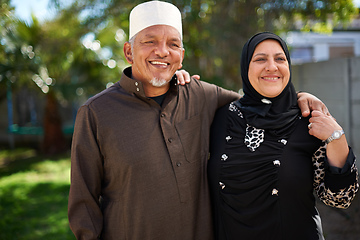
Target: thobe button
(276, 163)
(170, 140)
(178, 164)
(274, 192)
(222, 185)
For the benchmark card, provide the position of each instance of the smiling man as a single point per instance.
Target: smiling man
(140, 148)
(155, 54)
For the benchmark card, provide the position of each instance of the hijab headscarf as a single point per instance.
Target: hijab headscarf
(277, 114)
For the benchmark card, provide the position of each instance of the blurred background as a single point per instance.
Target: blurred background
(55, 54)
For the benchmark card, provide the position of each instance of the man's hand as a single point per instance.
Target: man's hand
(184, 77)
(308, 102)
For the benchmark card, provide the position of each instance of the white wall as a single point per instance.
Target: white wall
(337, 83)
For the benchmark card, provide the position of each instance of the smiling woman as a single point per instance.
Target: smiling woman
(265, 163)
(269, 71)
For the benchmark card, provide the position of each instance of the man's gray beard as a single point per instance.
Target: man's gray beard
(156, 82)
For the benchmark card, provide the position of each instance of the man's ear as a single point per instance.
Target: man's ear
(128, 52)
(182, 58)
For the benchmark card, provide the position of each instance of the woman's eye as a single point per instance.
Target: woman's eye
(259, 59)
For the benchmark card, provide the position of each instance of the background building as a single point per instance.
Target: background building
(314, 47)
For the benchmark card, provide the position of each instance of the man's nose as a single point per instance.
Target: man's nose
(162, 49)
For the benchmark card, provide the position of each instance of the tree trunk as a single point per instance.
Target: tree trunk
(54, 140)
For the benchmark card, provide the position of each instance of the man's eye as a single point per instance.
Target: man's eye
(148, 42)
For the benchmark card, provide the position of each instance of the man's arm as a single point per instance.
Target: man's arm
(306, 101)
(85, 217)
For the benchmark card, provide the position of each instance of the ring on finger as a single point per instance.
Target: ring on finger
(309, 126)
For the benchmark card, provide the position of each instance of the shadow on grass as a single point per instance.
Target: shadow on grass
(33, 198)
(34, 211)
(23, 160)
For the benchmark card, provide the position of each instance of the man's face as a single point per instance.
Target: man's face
(155, 56)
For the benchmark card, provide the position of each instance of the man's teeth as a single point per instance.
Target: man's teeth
(160, 63)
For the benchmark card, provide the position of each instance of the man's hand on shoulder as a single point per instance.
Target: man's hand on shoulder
(308, 102)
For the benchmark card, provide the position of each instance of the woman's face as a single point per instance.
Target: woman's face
(269, 71)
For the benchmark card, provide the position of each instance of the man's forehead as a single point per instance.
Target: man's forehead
(160, 31)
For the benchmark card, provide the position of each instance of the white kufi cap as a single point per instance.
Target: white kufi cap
(154, 13)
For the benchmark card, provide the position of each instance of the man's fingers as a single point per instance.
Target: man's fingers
(304, 107)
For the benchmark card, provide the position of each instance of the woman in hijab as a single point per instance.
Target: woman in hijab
(266, 159)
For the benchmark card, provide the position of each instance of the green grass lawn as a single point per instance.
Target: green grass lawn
(33, 196)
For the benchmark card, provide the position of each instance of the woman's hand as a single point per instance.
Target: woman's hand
(322, 126)
(184, 77)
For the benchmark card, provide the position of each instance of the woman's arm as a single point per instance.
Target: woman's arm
(323, 127)
(335, 187)
(335, 172)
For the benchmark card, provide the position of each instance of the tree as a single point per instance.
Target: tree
(78, 52)
(215, 31)
(51, 58)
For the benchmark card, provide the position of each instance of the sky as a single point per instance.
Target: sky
(24, 8)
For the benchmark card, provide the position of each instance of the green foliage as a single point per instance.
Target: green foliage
(214, 33)
(33, 196)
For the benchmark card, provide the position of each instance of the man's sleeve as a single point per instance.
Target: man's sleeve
(219, 96)
(85, 217)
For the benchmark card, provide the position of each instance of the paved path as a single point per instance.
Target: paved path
(339, 224)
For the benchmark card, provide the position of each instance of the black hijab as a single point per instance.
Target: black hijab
(277, 114)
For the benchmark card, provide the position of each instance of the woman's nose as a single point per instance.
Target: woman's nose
(271, 66)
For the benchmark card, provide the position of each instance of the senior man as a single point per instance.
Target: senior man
(140, 148)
